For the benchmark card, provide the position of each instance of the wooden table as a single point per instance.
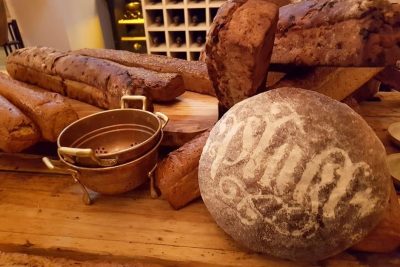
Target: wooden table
(43, 214)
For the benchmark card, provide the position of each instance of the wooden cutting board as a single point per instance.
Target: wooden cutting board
(190, 114)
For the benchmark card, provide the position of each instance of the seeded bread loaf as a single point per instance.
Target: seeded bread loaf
(338, 33)
(17, 131)
(194, 73)
(238, 50)
(49, 111)
(107, 80)
(294, 174)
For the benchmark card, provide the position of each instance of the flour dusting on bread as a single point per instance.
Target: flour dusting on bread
(294, 173)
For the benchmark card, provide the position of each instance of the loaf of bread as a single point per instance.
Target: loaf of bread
(238, 50)
(49, 111)
(95, 81)
(335, 82)
(194, 73)
(294, 174)
(17, 131)
(176, 175)
(338, 33)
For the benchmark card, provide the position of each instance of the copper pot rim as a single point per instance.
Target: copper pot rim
(156, 122)
(157, 131)
(76, 167)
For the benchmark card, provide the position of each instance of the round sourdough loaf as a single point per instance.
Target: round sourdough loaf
(294, 174)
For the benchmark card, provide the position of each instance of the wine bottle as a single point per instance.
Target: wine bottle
(176, 20)
(179, 41)
(156, 41)
(200, 40)
(158, 20)
(195, 20)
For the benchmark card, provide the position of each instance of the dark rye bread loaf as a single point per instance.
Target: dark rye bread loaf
(294, 174)
(338, 33)
(238, 50)
(101, 82)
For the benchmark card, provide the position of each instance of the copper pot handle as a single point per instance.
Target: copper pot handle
(164, 118)
(126, 98)
(86, 153)
(55, 165)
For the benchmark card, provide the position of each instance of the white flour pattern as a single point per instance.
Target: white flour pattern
(291, 193)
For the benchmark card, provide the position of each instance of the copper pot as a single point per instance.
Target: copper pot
(111, 180)
(111, 137)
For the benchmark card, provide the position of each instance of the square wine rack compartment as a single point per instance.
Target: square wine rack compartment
(178, 28)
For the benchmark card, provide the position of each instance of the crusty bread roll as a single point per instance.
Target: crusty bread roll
(238, 50)
(176, 175)
(17, 131)
(294, 174)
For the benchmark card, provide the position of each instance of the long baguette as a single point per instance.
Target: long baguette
(50, 69)
(47, 110)
(176, 175)
(194, 73)
(17, 131)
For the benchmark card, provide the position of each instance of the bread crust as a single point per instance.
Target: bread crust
(17, 131)
(238, 50)
(49, 111)
(338, 33)
(176, 175)
(194, 73)
(107, 80)
(294, 180)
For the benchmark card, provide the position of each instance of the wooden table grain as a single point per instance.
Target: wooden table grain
(43, 214)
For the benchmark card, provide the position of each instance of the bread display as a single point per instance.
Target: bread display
(238, 50)
(47, 110)
(176, 175)
(17, 131)
(194, 74)
(101, 82)
(338, 33)
(282, 171)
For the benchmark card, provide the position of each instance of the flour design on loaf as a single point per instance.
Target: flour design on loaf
(271, 171)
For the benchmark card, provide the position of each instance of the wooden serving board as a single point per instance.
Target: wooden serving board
(190, 114)
(43, 214)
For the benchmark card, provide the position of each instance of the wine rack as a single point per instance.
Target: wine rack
(177, 28)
